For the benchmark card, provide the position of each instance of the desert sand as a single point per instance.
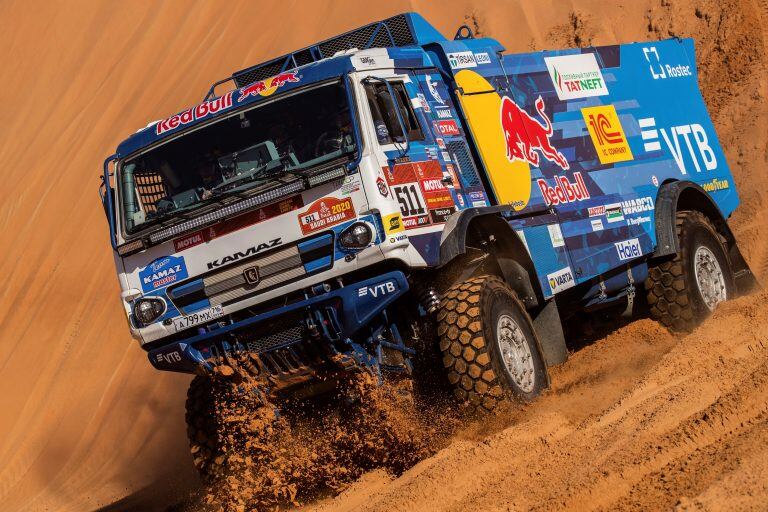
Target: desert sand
(637, 420)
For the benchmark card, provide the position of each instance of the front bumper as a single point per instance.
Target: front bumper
(293, 338)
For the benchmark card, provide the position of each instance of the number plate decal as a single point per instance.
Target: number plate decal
(201, 317)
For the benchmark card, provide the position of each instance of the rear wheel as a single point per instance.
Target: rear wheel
(685, 290)
(488, 344)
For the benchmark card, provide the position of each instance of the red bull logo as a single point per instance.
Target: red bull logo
(268, 86)
(563, 191)
(193, 114)
(526, 137)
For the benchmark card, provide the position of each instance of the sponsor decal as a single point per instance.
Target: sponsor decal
(440, 142)
(526, 137)
(563, 191)
(597, 224)
(253, 250)
(326, 212)
(447, 128)
(607, 134)
(640, 205)
(446, 156)
(661, 70)
(440, 215)
(638, 220)
(163, 272)
(268, 86)
(398, 238)
(432, 86)
(382, 186)
(454, 177)
(561, 280)
(460, 199)
(556, 235)
(576, 76)
(423, 103)
(443, 113)
(199, 112)
(676, 140)
(482, 58)
(628, 249)
(461, 60)
(367, 61)
(236, 223)
(479, 204)
(416, 222)
(655, 181)
(377, 290)
(393, 223)
(614, 213)
(596, 211)
(350, 184)
(715, 185)
(431, 153)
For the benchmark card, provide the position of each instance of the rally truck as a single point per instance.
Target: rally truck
(389, 192)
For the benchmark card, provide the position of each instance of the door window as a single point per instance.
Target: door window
(382, 105)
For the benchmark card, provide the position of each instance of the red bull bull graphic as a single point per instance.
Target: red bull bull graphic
(525, 135)
(268, 86)
(195, 113)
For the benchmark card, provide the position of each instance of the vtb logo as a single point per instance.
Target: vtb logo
(678, 139)
(607, 134)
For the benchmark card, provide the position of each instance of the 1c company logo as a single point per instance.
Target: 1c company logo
(607, 134)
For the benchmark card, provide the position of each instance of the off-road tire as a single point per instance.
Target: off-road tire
(202, 428)
(674, 297)
(467, 324)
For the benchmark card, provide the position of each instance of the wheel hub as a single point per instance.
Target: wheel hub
(516, 353)
(709, 277)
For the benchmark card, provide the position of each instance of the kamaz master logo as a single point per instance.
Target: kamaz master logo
(163, 272)
(244, 254)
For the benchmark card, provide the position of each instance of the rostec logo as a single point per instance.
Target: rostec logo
(561, 280)
(676, 138)
(576, 76)
(460, 60)
(525, 135)
(661, 71)
(607, 134)
(563, 191)
(629, 249)
(193, 114)
(377, 290)
(268, 86)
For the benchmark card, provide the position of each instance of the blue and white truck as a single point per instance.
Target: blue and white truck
(390, 192)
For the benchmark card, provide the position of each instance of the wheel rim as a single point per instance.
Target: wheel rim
(515, 353)
(709, 277)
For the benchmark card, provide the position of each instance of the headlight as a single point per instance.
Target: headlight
(147, 311)
(356, 236)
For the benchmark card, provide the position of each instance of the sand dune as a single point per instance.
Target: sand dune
(85, 420)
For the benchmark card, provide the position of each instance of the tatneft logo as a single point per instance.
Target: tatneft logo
(676, 138)
(460, 60)
(561, 280)
(576, 76)
(660, 70)
(629, 249)
(377, 290)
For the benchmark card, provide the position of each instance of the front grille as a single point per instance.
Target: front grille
(232, 284)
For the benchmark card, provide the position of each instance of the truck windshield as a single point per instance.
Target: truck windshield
(238, 153)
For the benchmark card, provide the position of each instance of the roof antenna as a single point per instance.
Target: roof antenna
(464, 32)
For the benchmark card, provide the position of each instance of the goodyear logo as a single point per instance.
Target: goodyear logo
(607, 134)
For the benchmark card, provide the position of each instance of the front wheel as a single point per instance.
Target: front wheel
(488, 344)
(685, 290)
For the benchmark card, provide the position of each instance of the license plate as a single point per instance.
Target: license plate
(185, 322)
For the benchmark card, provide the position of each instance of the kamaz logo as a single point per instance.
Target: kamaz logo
(377, 290)
(249, 252)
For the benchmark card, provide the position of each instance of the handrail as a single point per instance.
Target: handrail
(108, 195)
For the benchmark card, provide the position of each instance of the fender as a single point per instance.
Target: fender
(685, 195)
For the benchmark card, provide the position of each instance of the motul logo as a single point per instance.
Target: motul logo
(564, 191)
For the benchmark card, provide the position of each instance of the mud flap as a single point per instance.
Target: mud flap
(549, 330)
